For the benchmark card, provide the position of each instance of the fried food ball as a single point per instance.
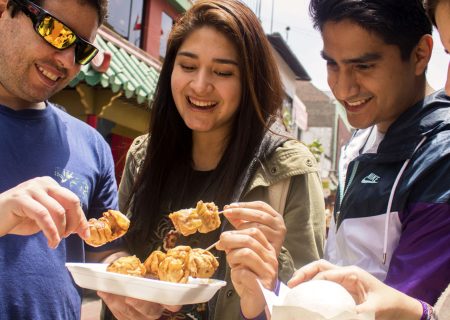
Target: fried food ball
(130, 265)
(111, 226)
(202, 263)
(181, 262)
(204, 218)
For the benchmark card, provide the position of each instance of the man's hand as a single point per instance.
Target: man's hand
(41, 204)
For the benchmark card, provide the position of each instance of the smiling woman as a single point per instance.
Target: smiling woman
(206, 87)
(216, 136)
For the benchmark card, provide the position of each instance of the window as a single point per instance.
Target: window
(166, 26)
(125, 17)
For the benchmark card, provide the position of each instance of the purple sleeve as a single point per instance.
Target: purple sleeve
(420, 265)
(262, 315)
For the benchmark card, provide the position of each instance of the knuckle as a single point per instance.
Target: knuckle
(75, 202)
(354, 269)
(322, 262)
(260, 204)
(247, 241)
(41, 213)
(272, 271)
(246, 252)
(45, 180)
(253, 231)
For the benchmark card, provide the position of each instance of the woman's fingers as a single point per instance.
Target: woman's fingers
(246, 238)
(258, 215)
(125, 308)
(249, 249)
(257, 211)
(250, 257)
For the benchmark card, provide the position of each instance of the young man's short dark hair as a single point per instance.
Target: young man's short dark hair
(397, 22)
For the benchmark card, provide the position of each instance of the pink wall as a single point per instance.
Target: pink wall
(152, 24)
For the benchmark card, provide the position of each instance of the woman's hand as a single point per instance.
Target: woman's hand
(124, 308)
(369, 293)
(260, 215)
(250, 257)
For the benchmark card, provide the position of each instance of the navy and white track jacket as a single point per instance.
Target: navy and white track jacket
(393, 219)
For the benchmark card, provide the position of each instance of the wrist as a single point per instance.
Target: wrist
(400, 306)
(262, 314)
(427, 311)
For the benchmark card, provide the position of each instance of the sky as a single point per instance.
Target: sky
(306, 42)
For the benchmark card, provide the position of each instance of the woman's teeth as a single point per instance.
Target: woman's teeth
(202, 104)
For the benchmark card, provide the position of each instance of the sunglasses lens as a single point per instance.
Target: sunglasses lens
(85, 52)
(56, 33)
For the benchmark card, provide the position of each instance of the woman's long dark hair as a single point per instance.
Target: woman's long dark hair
(430, 6)
(170, 146)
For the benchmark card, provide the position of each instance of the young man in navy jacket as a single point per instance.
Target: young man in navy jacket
(392, 215)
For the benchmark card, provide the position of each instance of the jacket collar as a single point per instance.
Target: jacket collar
(425, 118)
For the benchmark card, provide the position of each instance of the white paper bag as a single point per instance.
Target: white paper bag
(313, 300)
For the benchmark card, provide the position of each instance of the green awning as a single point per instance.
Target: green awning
(181, 5)
(131, 69)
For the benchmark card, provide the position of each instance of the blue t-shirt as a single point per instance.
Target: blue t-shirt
(34, 282)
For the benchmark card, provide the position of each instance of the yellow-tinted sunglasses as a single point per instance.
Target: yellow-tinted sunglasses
(56, 33)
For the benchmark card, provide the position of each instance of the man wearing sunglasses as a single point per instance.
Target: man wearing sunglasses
(55, 171)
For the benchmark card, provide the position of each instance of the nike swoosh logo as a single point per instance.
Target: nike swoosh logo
(366, 180)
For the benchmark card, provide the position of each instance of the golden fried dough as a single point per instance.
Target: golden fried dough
(202, 263)
(130, 265)
(204, 218)
(181, 262)
(111, 226)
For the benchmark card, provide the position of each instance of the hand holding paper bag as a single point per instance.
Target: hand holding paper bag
(313, 300)
(371, 295)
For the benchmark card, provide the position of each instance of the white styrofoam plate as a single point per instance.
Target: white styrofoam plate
(95, 277)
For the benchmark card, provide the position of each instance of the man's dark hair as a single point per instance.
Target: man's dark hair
(100, 5)
(397, 22)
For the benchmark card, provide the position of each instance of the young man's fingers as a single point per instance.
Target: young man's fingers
(308, 272)
(347, 278)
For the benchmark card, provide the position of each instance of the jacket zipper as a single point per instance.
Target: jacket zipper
(347, 186)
